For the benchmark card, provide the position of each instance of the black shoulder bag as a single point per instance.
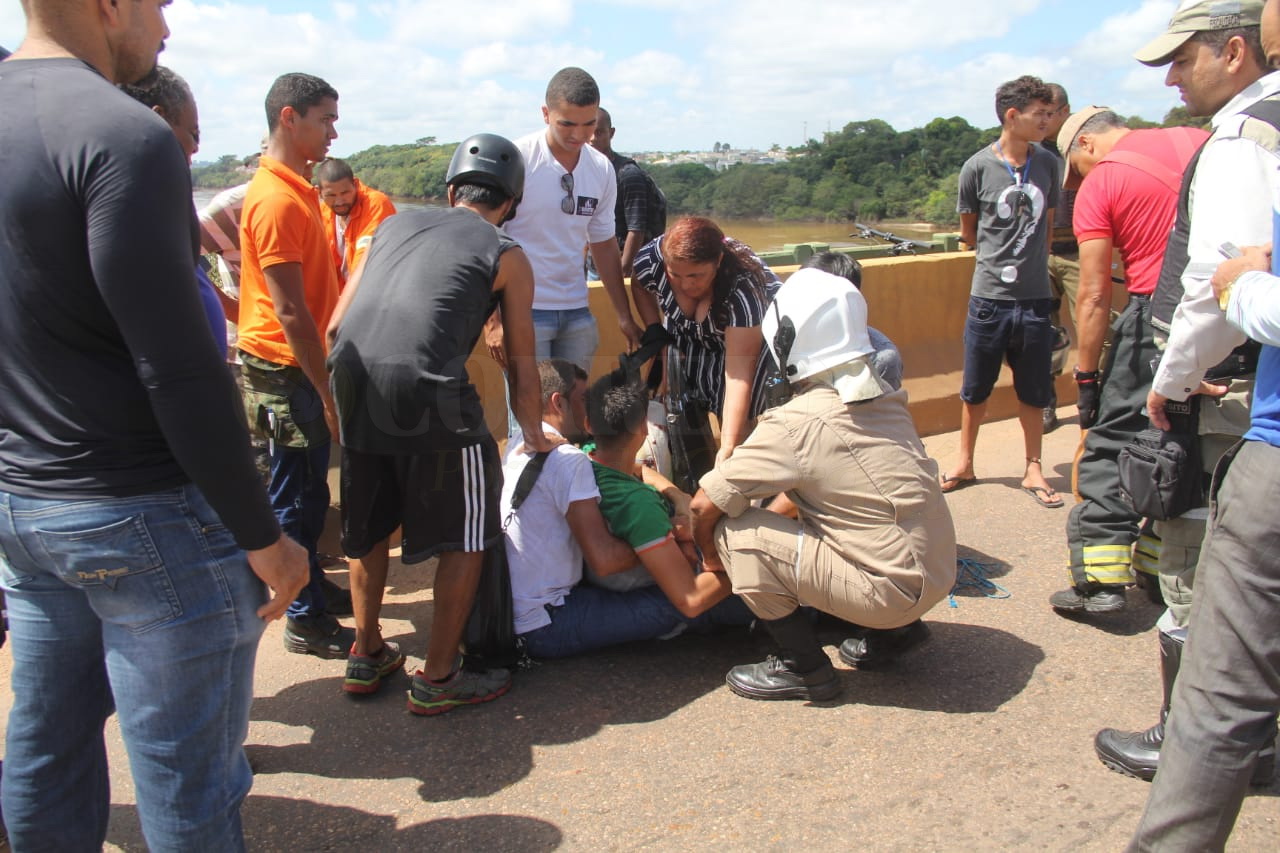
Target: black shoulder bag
(490, 636)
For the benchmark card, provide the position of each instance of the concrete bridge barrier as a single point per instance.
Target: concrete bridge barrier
(919, 301)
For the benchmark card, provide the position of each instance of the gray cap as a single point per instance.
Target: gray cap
(1198, 16)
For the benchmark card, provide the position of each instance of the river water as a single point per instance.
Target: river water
(763, 235)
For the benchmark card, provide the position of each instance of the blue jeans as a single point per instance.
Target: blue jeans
(143, 605)
(299, 493)
(571, 335)
(592, 618)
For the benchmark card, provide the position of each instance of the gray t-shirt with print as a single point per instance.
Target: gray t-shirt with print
(1013, 244)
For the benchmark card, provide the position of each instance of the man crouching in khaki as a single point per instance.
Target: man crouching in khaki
(872, 543)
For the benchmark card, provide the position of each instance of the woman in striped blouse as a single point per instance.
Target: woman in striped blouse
(710, 292)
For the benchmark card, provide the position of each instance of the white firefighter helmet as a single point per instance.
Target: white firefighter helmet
(829, 317)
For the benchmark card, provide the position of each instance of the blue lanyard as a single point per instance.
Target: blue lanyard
(1026, 167)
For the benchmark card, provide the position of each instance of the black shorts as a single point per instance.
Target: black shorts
(445, 500)
(1020, 333)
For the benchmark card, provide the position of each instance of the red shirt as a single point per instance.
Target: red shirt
(1134, 205)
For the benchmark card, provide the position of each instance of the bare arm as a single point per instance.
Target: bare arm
(705, 517)
(1093, 302)
(741, 353)
(969, 229)
(635, 239)
(344, 301)
(515, 282)
(609, 265)
(646, 305)
(692, 594)
(605, 553)
(493, 337)
(682, 520)
(230, 306)
(284, 283)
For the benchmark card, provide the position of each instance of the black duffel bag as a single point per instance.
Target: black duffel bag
(1160, 471)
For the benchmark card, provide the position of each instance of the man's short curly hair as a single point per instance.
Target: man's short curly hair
(1018, 94)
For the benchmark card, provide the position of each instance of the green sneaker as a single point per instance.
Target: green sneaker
(463, 688)
(365, 674)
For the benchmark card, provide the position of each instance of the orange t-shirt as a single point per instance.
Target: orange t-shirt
(367, 213)
(281, 224)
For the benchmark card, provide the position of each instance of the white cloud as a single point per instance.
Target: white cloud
(454, 24)
(674, 74)
(1112, 44)
(345, 13)
(12, 25)
(532, 62)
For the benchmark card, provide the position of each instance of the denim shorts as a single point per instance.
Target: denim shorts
(1020, 333)
(570, 334)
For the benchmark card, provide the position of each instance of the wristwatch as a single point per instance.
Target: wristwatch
(1085, 376)
(1224, 298)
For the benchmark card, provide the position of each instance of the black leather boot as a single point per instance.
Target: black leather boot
(800, 669)
(880, 647)
(1137, 754)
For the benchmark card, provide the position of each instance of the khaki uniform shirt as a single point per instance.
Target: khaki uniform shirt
(865, 489)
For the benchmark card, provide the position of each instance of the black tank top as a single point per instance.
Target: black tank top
(399, 360)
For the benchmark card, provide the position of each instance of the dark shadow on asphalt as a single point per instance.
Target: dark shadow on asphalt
(962, 669)
(479, 750)
(277, 823)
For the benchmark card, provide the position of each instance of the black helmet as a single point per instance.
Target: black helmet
(488, 159)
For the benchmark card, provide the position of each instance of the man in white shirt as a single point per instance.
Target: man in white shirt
(1230, 196)
(568, 205)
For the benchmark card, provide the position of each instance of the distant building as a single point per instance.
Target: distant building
(717, 161)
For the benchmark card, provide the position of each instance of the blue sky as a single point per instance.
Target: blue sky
(675, 74)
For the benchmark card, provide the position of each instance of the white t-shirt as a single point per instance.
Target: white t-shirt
(545, 559)
(552, 239)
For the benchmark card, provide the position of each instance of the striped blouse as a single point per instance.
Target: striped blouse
(702, 343)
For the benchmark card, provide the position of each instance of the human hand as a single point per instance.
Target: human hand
(493, 341)
(631, 332)
(1087, 401)
(711, 561)
(691, 555)
(331, 420)
(1155, 402)
(1251, 258)
(284, 568)
(540, 442)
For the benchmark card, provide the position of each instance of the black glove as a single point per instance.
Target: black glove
(1088, 392)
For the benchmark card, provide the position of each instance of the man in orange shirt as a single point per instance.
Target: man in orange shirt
(351, 213)
(288, 290)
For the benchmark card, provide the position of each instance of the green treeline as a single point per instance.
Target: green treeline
(867, 171)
